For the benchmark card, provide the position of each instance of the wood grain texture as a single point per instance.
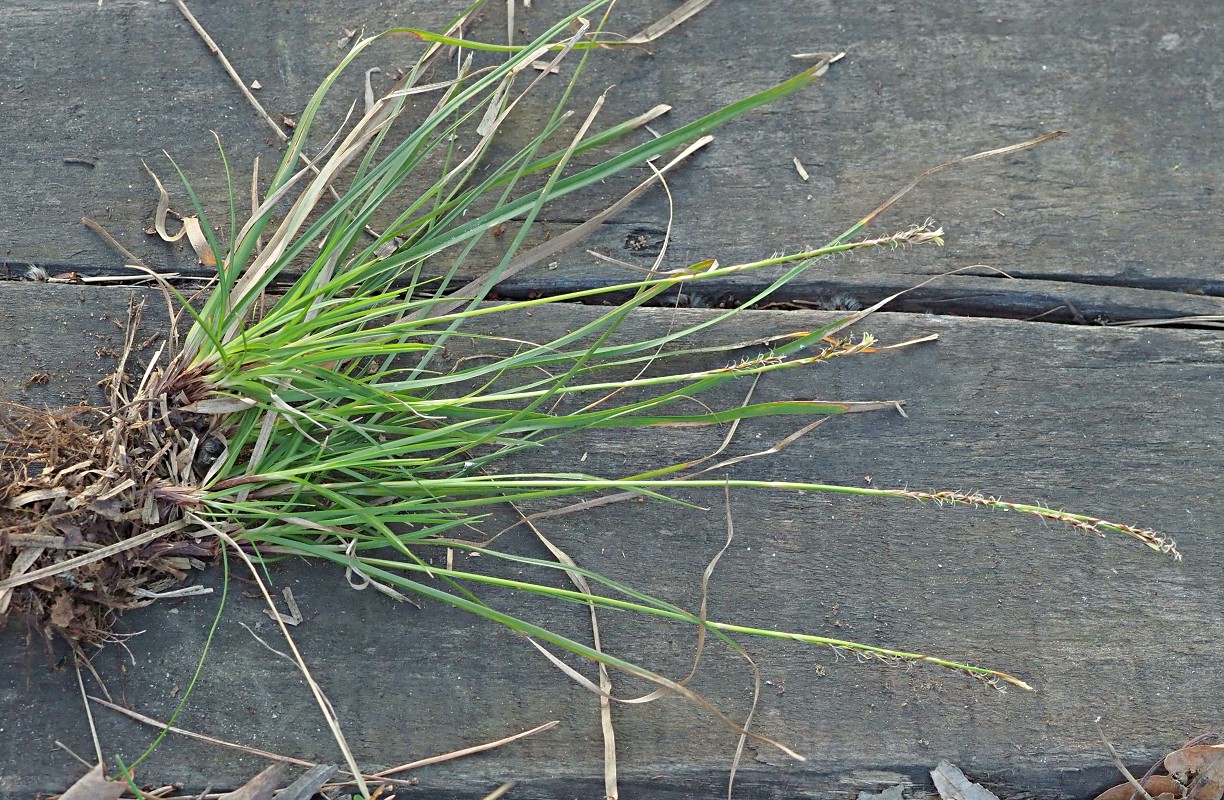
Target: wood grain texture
(1117, 220)
(1122, 423)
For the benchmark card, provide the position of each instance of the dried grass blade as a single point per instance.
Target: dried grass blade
(999, 151)
(607, 731)
(107, 551)
(156, 723)
(325, 705)
(667, 22)
(163, 208)
(1207, 320)
(567, 239)
(467, 751)
(24, 559)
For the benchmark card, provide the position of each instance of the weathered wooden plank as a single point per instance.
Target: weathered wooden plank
(1121, 213)
(1123, 423)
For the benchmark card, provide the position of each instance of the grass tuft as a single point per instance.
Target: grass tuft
(312, 409)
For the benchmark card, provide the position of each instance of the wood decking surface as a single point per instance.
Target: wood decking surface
(1118, 220)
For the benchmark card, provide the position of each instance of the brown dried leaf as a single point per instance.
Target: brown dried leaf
(110, 509)
(309, 783)
(94, 786)
(61, 613)
(1155, 785)
(261, 787)
(71, 532)
(953, 785)
(1201, 768)
(199, 242)
(1189, 762)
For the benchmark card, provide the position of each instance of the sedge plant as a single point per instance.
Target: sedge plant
(310, 409)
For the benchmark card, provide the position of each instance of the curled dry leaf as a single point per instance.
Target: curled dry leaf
(191, 225)
(1156, 786)
(1200, 767)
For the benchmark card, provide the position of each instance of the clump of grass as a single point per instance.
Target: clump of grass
(310, 409)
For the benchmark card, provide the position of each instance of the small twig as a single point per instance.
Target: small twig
(128, 254)
(70, 752)
(1139, 790)
(267, 646)
(186, 591)
(229, 69)
(508, 785)
(93, 730)
(98, 678)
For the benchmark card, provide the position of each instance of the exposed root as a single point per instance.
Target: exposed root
(83, 480)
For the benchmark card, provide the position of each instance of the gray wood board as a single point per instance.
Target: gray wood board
(1126, 424)
(1117, 220)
